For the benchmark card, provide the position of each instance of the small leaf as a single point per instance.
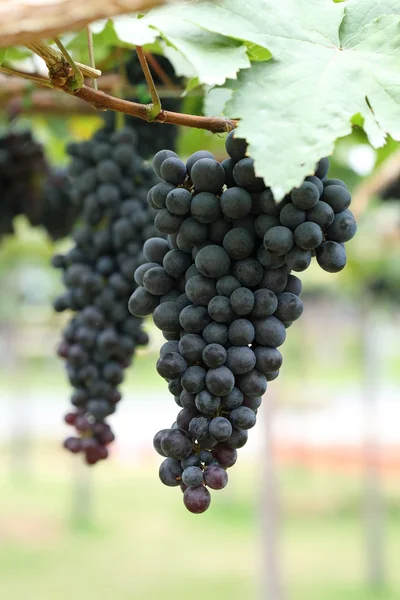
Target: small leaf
(3, 52)
(215, 101)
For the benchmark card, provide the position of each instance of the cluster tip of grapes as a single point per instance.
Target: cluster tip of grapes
(110, 180)
(221, 290)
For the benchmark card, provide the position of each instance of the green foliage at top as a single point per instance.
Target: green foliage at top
(295, 72)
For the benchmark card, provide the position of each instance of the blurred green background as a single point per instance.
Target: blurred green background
(115, 531)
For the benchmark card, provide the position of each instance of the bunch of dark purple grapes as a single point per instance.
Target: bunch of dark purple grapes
(32, 188)
(222, 291)
(99, 342)
(23, 170)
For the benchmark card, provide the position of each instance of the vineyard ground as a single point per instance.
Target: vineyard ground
(44, 549)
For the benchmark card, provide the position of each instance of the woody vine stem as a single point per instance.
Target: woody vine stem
(66, 75)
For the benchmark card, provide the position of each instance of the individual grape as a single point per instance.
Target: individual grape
(306, 196)
(298, 259)
(243, 418)
(220, 310)
(292, 216)
(269, 332)
(191, 347)
(194, 379)
(254, 402)
(212, 261)
(215, 333)
(322, 168)
(241, 332)
(178, 201)
(240, 359)
(195, 157)
(207, 403)
(289, 308)
(190, 461)
(236, 147)
(220, 381)
(232, 400)
(218, 230)
(251, 384)
(343, 227)
(205, 207)
(191, 272)
(225, 456)
(267, 359)
(308, 236)
(268, 204)
(321, 214)
(334, 181)
(265, 303)
(159, 194)
(197, 500)
(248, 272)
(331, 256)
(214, 355)
(268, 260)
(228, 165)
(238, 438)
(242, 301)
(238, 243)
(194, 319)
(173, 170)
(227, 285)
(170, 472)
(317, 182)
(166, 222)
(157, 281)
(187, 399)
(278, 240)
(215, 477)
(294, 285)
(220, 429)
(193, 231)
(176, 445)
(207, 175)
(198, 427)
(192, 477)
(171, 365)
(166, 316)
(174, 386)
(245, 177)
(159, 159)
(337, 197)
(176, 263)
(235, 203)
(200, 290)
(73, 444)
(142, 303)
(264, 223)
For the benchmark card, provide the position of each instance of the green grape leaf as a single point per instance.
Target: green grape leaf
(215, 101)
(3, 52)
(329, 62)
(360, 13)
(211, 56)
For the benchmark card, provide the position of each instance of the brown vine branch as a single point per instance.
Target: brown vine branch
(102, 101)
(154, 109)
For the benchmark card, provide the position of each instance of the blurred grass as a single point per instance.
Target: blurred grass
(141, 544)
